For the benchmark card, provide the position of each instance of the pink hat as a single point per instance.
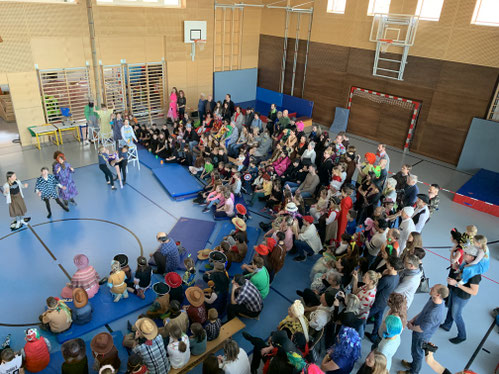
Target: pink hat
(300, 126)
(80, 261)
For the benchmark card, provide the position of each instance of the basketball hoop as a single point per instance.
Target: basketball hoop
(197, 42)
(385, 43)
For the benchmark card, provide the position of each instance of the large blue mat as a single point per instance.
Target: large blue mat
(105, 311)
(147, 158)
(193, 234)
(483, 186)
(56, 358)
(177, 180)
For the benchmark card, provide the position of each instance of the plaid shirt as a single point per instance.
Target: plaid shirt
(154, 356)
(250, 297)
(213, 329)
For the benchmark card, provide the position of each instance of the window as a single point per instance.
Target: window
(336, 6)
(166, 3)
(378, 6)
(47, 1)
(486, 13)
(429, 10)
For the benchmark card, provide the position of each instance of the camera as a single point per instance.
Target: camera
(429, 347)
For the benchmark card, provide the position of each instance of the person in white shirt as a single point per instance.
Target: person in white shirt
(179, 351)
(406, 226)
(308, 240)
(410, 278)
(422, 212)
(378, 240)
(11, 362)
(309, 153)
(235, 359)
(320, 317)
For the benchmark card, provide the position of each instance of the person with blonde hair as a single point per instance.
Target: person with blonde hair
(481, 262)
(375, 364)
(295, 321)
(366, 294)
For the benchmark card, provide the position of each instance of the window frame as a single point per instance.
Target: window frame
(371, 8)
(419, 9)
(330, 6)
(141, 3)
(476, 12)
(64, 2)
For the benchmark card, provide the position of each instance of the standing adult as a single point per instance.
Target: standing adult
(434, 198)
(150, 347)
(424, 325)
(201, 107)
(345, 206)
(382, 155)
(172, 108)
(181, 104)
(116, 125)
(92, 121)
(104, 115)
(459, 296)
(422, 212)
(411, 191)
(406, 226)
(230, 104)
(410, 278)
(64, 173)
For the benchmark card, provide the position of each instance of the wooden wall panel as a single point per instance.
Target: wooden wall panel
(451, 95)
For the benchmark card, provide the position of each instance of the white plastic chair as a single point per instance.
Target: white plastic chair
(133, 156)
(93, 135)
(107, 140)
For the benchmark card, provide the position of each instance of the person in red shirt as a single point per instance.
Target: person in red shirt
(345, 206)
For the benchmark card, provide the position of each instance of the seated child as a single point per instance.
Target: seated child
(135, 365)
(11, 362)
(198, 339)
(36, 352)
(116, 282)
(178, 348)
(142, 279)
(85, 277)
(82, 312)
(213, 325)
(189, 276)
(161, 305)
(57, 318)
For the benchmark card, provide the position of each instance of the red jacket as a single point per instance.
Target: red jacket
(37, 355)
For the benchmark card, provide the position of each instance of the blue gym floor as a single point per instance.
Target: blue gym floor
(107, 222)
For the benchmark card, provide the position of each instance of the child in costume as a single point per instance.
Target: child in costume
(85, 277)
(161, 305)
(46, 188)
(142, 280)
(64, 174)
(116, 282)
(82, 311)
(103, 156)
(36, 351)
(189, 276)
(57, 318)
(13, 192)
(481, 263)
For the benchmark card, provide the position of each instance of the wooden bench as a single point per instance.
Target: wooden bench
(227, 331)
(306, 121)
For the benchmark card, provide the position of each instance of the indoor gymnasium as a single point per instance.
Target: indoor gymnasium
(254, 186)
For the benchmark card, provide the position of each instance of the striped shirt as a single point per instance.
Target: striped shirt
(250, 297)
(213, 329)
(85, 278)
(366, 298)
(154, 355)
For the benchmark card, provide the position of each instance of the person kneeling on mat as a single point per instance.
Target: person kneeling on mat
(57, 318)
(166, 257)
(116, 282)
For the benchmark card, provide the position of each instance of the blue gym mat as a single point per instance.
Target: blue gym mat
(225, 229)
(177, 180)
(483, 186)
(193, 235)
(56, 358)
(147, 158)
(105, 311)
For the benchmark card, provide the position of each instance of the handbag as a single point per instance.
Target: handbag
(424, 285)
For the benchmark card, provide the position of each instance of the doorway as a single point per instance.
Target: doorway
(9, 134)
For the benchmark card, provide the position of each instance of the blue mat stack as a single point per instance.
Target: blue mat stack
(175, 178)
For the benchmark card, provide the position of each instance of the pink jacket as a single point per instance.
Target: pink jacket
(281, 165)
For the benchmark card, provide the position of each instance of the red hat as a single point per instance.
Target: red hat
(241, 209)
(309, 219)
(370, 157)
(262, 250)
(173, 280)
(271, 242)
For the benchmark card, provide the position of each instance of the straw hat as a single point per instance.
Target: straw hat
(173, 280)
(195, 296)
(147, 328)
(102, 343)
(204, 254)
(80, 297)
(239, 223)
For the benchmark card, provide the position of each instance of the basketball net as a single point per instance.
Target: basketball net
(383, 100)
(385, 44)
(200, 43)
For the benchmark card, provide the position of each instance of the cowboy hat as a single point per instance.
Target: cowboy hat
(241, 209)
(204, 254)
(147, 328)
(122, 259)
(173, 280)
(195, 296)
(80, 297)
(160, 288)
(73, 350)
(262, 249)
(102, 343)
(239, 223)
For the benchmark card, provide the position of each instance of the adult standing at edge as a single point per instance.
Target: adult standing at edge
(181, 104)
(64, 174)
(424, 325)
(230, 104)
(459, 295)
(201, 107)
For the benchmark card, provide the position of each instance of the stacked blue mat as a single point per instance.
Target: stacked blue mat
(106, 311)
(253, 236)
(175, 178)
(56, 358)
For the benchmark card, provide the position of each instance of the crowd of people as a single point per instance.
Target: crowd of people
(360, 224)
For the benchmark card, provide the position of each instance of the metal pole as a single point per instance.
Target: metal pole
(241, 30)
(479, 348)
(232, 38)
(93, 48)
(215, 41)
(306, 53)
(297, 45)
(223, 43)
(284, 53)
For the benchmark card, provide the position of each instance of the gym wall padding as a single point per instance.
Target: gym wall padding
(241, 84)
(302, 107)
(269, 96)
(451, 93)
(480, 148)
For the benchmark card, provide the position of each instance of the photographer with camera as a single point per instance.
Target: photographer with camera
(429, 350)
(424, 325)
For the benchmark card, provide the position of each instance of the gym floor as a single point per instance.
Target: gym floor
(108, 222)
